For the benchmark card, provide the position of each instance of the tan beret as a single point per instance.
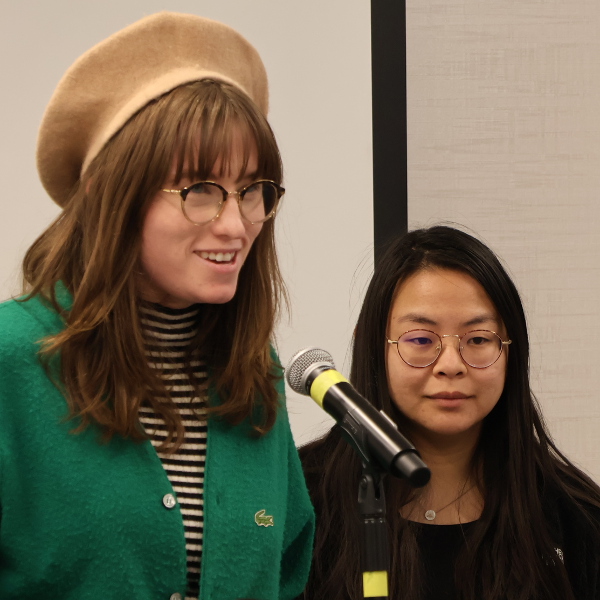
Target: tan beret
(114, 79)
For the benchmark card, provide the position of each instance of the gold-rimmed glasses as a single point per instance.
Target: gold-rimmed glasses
(479, 348)
(203, 202)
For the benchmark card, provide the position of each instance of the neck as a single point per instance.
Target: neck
(450, 459)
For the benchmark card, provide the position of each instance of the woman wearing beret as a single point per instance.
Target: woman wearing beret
(441, 346)
(145, 450)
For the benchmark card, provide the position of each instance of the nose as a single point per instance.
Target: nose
(230, 222)
(450, 362)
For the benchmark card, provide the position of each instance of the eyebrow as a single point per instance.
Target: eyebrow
(416, 318)
(482, 319)
(423, 320)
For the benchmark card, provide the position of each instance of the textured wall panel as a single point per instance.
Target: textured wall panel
(504, 138)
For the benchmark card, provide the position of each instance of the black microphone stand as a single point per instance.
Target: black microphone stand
(375, 553)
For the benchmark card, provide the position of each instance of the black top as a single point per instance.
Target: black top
(573, 529)
(439, 546)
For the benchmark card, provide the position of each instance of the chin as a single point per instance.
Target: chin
(450, 430)
(217, 297)
(445, 429)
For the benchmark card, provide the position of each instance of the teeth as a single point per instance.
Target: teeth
(218, 256)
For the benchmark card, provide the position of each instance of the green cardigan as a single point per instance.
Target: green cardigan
(82, 519)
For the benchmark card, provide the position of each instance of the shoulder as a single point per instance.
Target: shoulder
(581, 516)
(315, 452)
(325, 460)
(580, 525)
(23, 322)
(579, 494)
(572, 509)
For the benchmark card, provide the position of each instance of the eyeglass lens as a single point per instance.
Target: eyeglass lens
(420, 348)
(203, 201)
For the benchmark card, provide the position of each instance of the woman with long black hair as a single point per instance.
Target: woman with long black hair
(441, 346)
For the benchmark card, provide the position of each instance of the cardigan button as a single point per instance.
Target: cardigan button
(170, 502)
(175, 596)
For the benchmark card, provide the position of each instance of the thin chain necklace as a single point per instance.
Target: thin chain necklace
(431, 514)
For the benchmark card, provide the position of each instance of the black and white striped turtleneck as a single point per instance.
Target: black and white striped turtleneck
(168, 333)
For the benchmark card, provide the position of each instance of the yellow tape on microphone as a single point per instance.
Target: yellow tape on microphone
(323, 382)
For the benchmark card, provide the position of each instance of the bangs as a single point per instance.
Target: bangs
(222, 127)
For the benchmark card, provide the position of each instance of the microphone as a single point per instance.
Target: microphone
(373, 434)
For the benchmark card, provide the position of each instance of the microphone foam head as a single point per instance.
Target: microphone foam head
(301, 365)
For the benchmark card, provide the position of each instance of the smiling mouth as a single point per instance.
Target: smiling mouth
(218, 257)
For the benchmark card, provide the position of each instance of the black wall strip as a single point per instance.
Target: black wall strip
(388, 60)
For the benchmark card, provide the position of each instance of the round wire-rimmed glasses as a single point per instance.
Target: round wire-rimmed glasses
(479, 348)
(203, 202)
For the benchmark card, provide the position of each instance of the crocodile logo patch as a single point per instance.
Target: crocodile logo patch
(263, 520)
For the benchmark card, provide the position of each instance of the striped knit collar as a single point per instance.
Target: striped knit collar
(170, 313)
(169, 326)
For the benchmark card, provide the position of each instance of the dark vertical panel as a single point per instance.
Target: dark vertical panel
(388, 59)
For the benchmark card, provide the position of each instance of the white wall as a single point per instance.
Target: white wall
(317, 56)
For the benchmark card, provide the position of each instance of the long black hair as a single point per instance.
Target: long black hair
(510, 552)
